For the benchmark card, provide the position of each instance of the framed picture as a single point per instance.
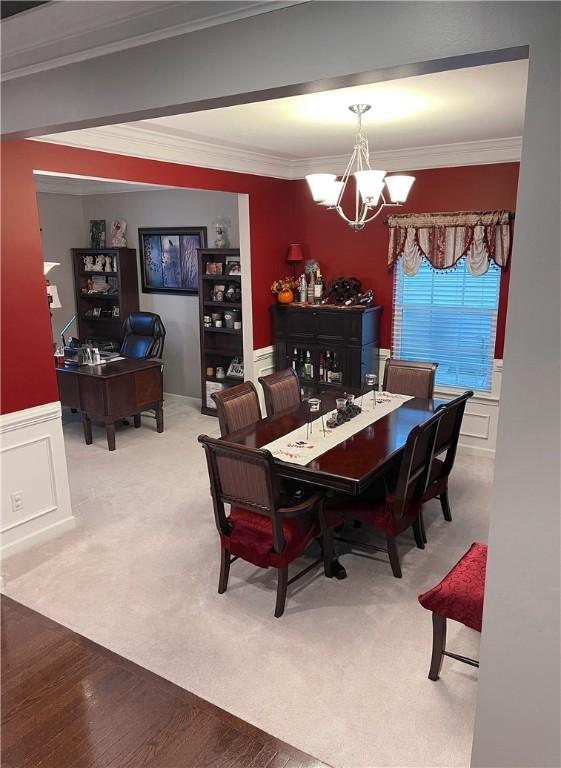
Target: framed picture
(233, 266)
(97, 233)
(169, 260)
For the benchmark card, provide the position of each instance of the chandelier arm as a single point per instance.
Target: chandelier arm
(379, 211)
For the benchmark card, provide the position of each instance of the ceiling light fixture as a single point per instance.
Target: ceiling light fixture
(328, 191)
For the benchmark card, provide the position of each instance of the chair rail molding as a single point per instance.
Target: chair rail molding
(35, 492)
(478, 435)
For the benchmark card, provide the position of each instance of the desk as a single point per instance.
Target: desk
(350, 466)
(111, 392)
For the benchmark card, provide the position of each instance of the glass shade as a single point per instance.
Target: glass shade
(332, 193)
(370, 185)
(320, 185)
(398, 187)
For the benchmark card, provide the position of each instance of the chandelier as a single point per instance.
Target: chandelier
(369, 183)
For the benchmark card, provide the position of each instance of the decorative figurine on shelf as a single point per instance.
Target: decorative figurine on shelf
(97, 233)
(283, 290)
(108, 264)
(99, 263)
(118, 234)
(89, 264)
(221, 226)
(302, 288)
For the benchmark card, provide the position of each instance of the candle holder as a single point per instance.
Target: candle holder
(370, 381)
(314, 406)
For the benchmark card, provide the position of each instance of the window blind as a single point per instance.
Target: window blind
(449, 317)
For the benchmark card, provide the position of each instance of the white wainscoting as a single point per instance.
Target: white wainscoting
(263, 364)
(33, 464)
(478, 435)
(479, 428)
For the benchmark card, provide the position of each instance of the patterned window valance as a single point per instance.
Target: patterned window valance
(444, 238)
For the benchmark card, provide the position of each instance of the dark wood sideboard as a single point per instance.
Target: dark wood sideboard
(345, 336)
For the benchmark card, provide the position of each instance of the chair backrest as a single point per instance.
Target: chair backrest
(143, 336)
(244, 477)
(281, 390)
(449, 429)
(409, 377)
(237, 407)
(415, 467)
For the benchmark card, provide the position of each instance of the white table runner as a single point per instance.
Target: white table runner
(302, 446)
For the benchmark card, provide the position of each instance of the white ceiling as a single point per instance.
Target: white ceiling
(443, 108)
(459, 117)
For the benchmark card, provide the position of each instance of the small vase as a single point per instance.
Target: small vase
(285, 297)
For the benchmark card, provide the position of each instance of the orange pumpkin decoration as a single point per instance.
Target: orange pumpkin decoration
(285, 296)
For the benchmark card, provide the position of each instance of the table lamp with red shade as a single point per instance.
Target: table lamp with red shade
(294, 256)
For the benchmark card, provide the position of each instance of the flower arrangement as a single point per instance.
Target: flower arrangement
(285, 284)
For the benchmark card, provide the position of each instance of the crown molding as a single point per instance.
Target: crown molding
(417, 158)
(152, 144)
(172, 26)
(60, 185)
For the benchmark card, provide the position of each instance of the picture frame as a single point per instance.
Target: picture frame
(97, 233)
(233, 265)
(169, 260)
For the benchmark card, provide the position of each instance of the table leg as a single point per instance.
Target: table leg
(160, 419)
(87, 425)
(110, 429)
(136, 418)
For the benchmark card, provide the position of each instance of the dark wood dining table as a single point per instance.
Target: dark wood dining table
(351, 466)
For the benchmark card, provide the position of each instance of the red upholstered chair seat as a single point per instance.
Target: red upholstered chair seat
(459, 595)
(252, 537)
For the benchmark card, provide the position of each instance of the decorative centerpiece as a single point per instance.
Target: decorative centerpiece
(284, 290)
(346, 410)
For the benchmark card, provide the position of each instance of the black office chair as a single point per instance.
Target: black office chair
(143, 336)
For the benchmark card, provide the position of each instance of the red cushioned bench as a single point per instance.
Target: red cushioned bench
(459, 596)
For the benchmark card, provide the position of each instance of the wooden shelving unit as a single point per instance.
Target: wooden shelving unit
(219, 346)
(105, 329)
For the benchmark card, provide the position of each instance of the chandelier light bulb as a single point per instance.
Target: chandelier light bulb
(398, 187)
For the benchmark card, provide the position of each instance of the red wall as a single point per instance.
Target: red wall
(281, 212)
(28, 377)
(340, 251)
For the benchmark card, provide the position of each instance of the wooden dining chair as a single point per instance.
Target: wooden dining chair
(447, 442)
(262, 528)
(281, 390)
(409, 377)
(237, 407)
(394, 509)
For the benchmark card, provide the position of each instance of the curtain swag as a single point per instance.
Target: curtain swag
(445, 238)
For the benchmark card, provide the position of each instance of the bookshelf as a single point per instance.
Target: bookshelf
(221, 333)
(104, 297)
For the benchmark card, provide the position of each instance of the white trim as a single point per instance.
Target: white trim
(111, 17)
(34, 464)
(245, 266)
(263, 364)
(153, 144)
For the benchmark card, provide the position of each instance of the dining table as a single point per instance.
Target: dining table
(351, 465)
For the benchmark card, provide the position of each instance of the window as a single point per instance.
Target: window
(449, 317)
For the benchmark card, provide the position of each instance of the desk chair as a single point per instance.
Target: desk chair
(143, 336)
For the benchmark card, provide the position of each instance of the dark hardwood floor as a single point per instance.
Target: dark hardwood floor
(70, 703)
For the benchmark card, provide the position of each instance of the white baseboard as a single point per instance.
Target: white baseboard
(33, 464)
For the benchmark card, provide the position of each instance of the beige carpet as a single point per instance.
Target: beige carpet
(342, 676)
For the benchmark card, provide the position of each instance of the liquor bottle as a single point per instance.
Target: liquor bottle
(311, 288)
(328, 367)
(321, 367)
(295, 360)
(318, 288)
(336, 372)
(308, 366)
(300, 367)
